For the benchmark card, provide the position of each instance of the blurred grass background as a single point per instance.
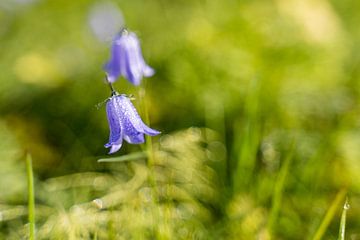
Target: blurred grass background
(277, 82)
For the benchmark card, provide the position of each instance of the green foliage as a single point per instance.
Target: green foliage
(31, 197)
(260, 74)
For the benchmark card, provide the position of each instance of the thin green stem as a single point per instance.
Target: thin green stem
(31, 197)
(113, 92)
(150, 163)
(330, 214)
(148, 143)
(150, 160)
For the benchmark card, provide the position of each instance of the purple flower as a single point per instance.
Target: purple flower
(125, 123)
(127, 60)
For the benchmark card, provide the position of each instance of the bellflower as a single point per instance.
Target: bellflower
(125, 123)
(126, 59)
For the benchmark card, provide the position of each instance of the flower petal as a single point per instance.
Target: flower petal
(148, 71)
(142, 67)
(149, 131)
(115, 148)
(134, 59)
(131, 135)
(135, 119)
(125, 123)
(135, 138)
(127, 60)
(113, 111)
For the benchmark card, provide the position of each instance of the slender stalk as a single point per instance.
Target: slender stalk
(150, 162)
(343, 220)
(330, 214)
(31, 197)
(113, 92)
(148, 143)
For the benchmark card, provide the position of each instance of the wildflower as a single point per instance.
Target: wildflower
(125, 123)
(126, 59)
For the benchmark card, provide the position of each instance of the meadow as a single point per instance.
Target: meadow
(257, 103)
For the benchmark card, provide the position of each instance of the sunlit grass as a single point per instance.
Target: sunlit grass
(342, 227)
(31, 197)
(128, 204)
(330, 214)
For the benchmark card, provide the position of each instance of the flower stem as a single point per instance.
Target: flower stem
(31, 197)
(113, 92)
(158, 216)
(124, 31)
(148, 143)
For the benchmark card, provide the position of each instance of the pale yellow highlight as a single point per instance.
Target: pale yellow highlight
(200, 32)
(35, 68)
(319, 22)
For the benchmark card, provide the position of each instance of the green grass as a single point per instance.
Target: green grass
(31, 197)
(257, 101)
(279, 189)
(330, 214)
(342, 227)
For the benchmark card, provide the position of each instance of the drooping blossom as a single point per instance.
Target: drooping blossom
(126, 59)
(125, 123)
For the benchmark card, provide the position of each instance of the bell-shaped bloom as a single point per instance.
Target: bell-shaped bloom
(126, 59)
(125, 123)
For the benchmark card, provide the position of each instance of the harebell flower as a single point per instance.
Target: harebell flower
(125, 123)
(126, 59)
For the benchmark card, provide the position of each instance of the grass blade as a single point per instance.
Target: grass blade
(279, 188)
(330, 214)
(31, 197)
(343, 221)
(125, 158)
